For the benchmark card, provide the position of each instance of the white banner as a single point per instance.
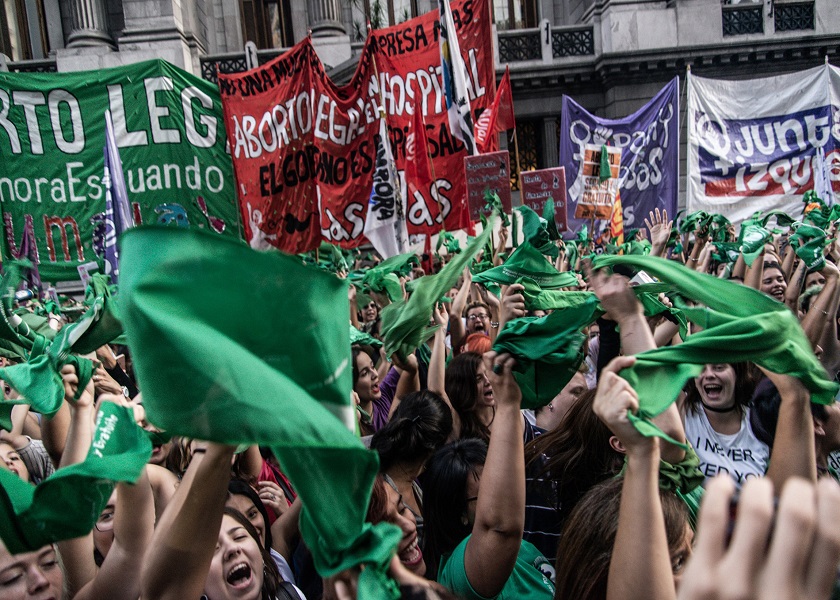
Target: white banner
(753, 145)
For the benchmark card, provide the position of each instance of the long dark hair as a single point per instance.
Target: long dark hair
(419, 426)
(445, 497)
(240, 487)
(364, 428)
(461, 388)
(586, 545)
(577, 454)
(271, 576)
(745, 380)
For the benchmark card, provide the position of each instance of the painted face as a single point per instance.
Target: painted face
(815, 278)
(30, 575)
(716, 385)
(13, 461)
(478, 320)
(246, 506)
(680, 556)
(236, 571)
(408, 549)
(367, 385)
(103, 529)
(557, 409)
(773, 284)
(370, 312)
(485, 390)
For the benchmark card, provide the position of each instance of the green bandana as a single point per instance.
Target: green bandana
(537, 231)
(604, 172)
(360, 338)
(695, 221)
(527, 261)
(548, 350)
(39, 379)
(813, 244)
(67, 504)
(741, 324)
(752, 240)
(207, 372)
(405, 324)
(385, 277)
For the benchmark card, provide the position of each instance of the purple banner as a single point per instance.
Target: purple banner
(649, 142)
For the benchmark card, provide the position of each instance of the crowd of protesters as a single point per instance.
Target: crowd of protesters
(735, 496)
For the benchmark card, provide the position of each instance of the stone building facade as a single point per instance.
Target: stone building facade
(610, 55)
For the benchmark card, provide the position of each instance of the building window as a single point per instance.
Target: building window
(267, 23)
(529, 141)
(742, 17)
(23, 30)
(380, 14)
(515, 14)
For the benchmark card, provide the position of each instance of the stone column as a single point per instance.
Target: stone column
(325, 18)
(89, 24)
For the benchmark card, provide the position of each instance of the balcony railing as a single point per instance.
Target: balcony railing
(233, 62)
(742, 19)
(41, 65)
(793, 17)
(519, 45)
(572, 42)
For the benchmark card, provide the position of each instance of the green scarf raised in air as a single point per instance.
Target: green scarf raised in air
(67, 504)
(405, 324)
(241, 347)
(741, 324)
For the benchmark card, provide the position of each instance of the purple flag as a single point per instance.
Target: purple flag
(117, 207)
(649, 141)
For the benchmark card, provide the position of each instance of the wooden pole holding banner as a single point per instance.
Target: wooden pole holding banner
(513, 221)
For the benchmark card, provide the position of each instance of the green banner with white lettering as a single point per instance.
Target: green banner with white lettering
(170, 133)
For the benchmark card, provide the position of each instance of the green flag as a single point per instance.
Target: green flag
(277, 374)
(67, 504)
(604, 172)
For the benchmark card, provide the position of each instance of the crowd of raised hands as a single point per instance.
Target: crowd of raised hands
(728, 492)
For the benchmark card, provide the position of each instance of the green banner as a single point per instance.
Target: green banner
(170, 132)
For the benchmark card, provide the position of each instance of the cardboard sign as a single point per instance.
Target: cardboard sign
(487, 172)
(540, 186)
(598, 196)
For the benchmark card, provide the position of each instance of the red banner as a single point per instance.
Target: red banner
(304, 149)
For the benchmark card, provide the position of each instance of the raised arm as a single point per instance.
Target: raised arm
(793, 453)
(500, 509)
(620, 302)
(659, 230)
(436, 378)
(457, 332)
(794, 287)
(640, 567)
(186, 536)
(134, 523)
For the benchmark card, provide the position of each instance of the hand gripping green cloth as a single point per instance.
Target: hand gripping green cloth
(67, 504)
(208, 372)
(385, 277)
(743, 325)
(405, 324)
(813, 244)
(39, 379)
(539, 231)
(527, 261)
(548, 350)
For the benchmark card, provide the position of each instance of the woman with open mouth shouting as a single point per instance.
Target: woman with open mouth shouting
(203, 547)
(716, 411)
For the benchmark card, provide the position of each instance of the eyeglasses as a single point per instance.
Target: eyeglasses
(105, 522)
(474, 317)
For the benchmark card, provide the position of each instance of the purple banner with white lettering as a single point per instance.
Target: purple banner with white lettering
(649, 141)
